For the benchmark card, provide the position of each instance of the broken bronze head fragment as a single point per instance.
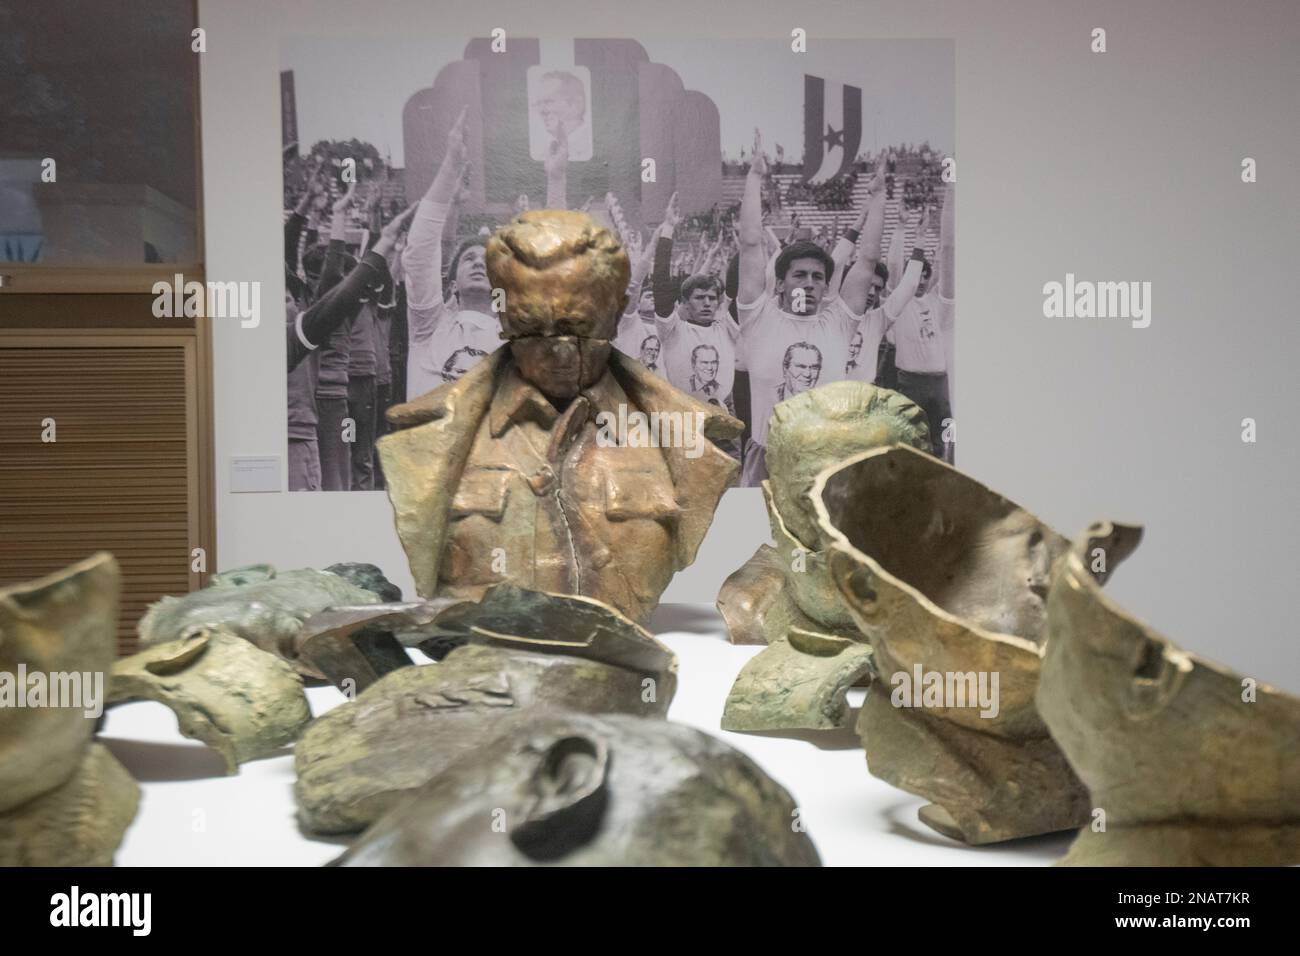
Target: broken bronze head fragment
(569, 789)
(507, 475)
(512, 652)
(948, 580)
(241, 701)
(784, 596)
(64, 799)
(1187, 763)
(264, 606)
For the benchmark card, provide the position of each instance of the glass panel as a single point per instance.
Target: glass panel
(98, 112)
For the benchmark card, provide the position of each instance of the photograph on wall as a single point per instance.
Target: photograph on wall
(787, 217)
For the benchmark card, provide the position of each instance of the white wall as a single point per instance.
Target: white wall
(1115, 167)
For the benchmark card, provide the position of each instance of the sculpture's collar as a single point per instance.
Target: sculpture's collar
(517, 400)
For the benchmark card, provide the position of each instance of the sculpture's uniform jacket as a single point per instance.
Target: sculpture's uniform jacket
(490, 482)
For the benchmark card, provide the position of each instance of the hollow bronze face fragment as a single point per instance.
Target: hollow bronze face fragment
(241, 701)
(64, 799)
(1187, 763)
(568, 789)
(948, 580)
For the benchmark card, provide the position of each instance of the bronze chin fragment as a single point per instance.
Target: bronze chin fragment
(1187, 763)
(570, 789)
(948, 581)
(264, 606)
(526, 471)
(784, 595)
(64, 799)
(513, 651)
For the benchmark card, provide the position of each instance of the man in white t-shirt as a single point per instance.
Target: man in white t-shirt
(922, 318)
(637, 335)
(697, 321)
(786, 334)
(436, 331)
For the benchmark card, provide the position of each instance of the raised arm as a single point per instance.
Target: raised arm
(701, 254)
(664, 288)
(332, 269)
(842, 251)
(343, 300)
(712, 256)
(458, 200)
(293, 225)
(753, 260)
(906, 288)
(641, 254)
(422, 258)
(895, 260)
(947, 239)
(857, 284)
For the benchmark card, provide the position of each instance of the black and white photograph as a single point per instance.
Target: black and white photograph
(631, 329)
(777, 243)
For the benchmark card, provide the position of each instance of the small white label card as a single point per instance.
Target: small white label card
(255, 473)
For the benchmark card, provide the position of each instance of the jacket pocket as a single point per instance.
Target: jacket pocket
(630, 495)
(481, 492)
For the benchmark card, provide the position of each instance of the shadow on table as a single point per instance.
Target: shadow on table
(341, 840)
(690, 618)
(152, 762)
(902, 820)
(843, 738)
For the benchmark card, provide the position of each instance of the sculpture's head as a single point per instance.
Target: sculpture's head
(819, 427)
(565, 279)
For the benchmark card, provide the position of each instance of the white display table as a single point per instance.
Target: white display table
(193, 815)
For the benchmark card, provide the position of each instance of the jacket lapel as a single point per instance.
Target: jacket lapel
(423, 460)
(698, 482)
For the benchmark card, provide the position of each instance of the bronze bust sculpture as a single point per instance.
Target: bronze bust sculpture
(784, 595)
(512, 473)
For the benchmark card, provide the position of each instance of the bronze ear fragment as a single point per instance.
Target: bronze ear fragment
(569, 796)
(565, 788)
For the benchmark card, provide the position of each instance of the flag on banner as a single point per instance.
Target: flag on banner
(288, 116)
(832, 128)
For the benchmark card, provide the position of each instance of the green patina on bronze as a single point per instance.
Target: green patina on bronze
(945, 576)
(264, 606)
(786, 590)
(1187, 763)
(64, 800)
(519, 650)
(570, 789)
(241, 701)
